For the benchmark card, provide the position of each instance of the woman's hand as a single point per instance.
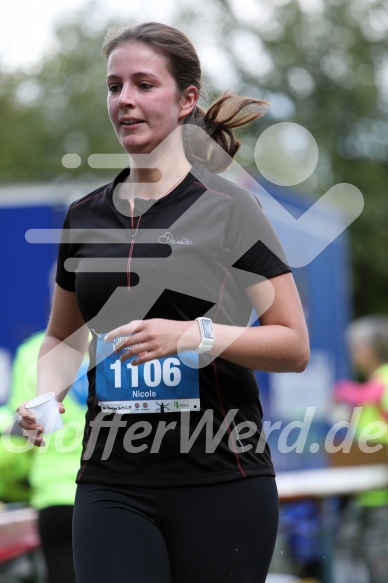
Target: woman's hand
(31, 429)
(155, 338)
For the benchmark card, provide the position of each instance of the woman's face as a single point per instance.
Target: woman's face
(143, 102)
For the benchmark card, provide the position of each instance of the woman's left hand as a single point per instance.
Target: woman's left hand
(154, 338)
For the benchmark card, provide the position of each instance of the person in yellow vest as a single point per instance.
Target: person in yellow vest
(362, 538)
(14, 470)
(54, 467)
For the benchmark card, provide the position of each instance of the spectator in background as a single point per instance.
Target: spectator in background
(14, 470)
(53, 468)
(363, 529)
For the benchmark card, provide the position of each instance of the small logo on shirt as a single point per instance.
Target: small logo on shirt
(168, 238)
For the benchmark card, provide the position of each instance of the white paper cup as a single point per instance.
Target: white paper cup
(46, 412)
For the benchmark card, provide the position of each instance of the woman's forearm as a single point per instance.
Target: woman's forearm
(58, 365)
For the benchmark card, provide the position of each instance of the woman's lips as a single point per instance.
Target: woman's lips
(131, 123)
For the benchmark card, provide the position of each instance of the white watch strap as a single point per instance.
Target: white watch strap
(207, 334)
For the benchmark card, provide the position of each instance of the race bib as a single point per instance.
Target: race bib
(162, 385)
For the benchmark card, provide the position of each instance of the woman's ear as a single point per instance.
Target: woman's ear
(188, 101)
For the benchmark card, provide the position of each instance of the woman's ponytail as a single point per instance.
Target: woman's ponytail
(227, 113)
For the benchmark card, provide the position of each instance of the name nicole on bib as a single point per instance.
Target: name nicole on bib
(144, 394)
(162, 385)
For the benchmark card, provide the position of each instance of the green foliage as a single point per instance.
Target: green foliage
(55, 109)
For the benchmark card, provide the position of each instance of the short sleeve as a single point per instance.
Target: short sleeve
(251, 242)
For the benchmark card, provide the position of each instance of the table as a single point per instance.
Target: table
(18, 533)
(324, 482)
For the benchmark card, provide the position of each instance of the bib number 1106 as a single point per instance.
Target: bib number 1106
(153, 373)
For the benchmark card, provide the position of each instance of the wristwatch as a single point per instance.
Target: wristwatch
(207, 334)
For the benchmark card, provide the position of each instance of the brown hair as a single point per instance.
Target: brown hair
(227, 113)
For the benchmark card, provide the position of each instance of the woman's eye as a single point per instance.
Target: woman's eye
(145, 86)
(113, 88)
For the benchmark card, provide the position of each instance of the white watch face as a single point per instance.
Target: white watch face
(207, 328)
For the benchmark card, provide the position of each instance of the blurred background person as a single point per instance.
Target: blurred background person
(52, 469)
(14, 470)
(362, 540)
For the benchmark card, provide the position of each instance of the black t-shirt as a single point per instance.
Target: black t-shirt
(188, 254)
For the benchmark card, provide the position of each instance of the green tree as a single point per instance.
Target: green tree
(57, 108)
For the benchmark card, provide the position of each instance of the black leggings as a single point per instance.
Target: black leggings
(202, 534)
(55, 536)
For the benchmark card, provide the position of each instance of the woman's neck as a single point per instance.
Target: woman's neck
(157, 181)
(156, 174)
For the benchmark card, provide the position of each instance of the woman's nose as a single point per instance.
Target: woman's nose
(126, 98)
